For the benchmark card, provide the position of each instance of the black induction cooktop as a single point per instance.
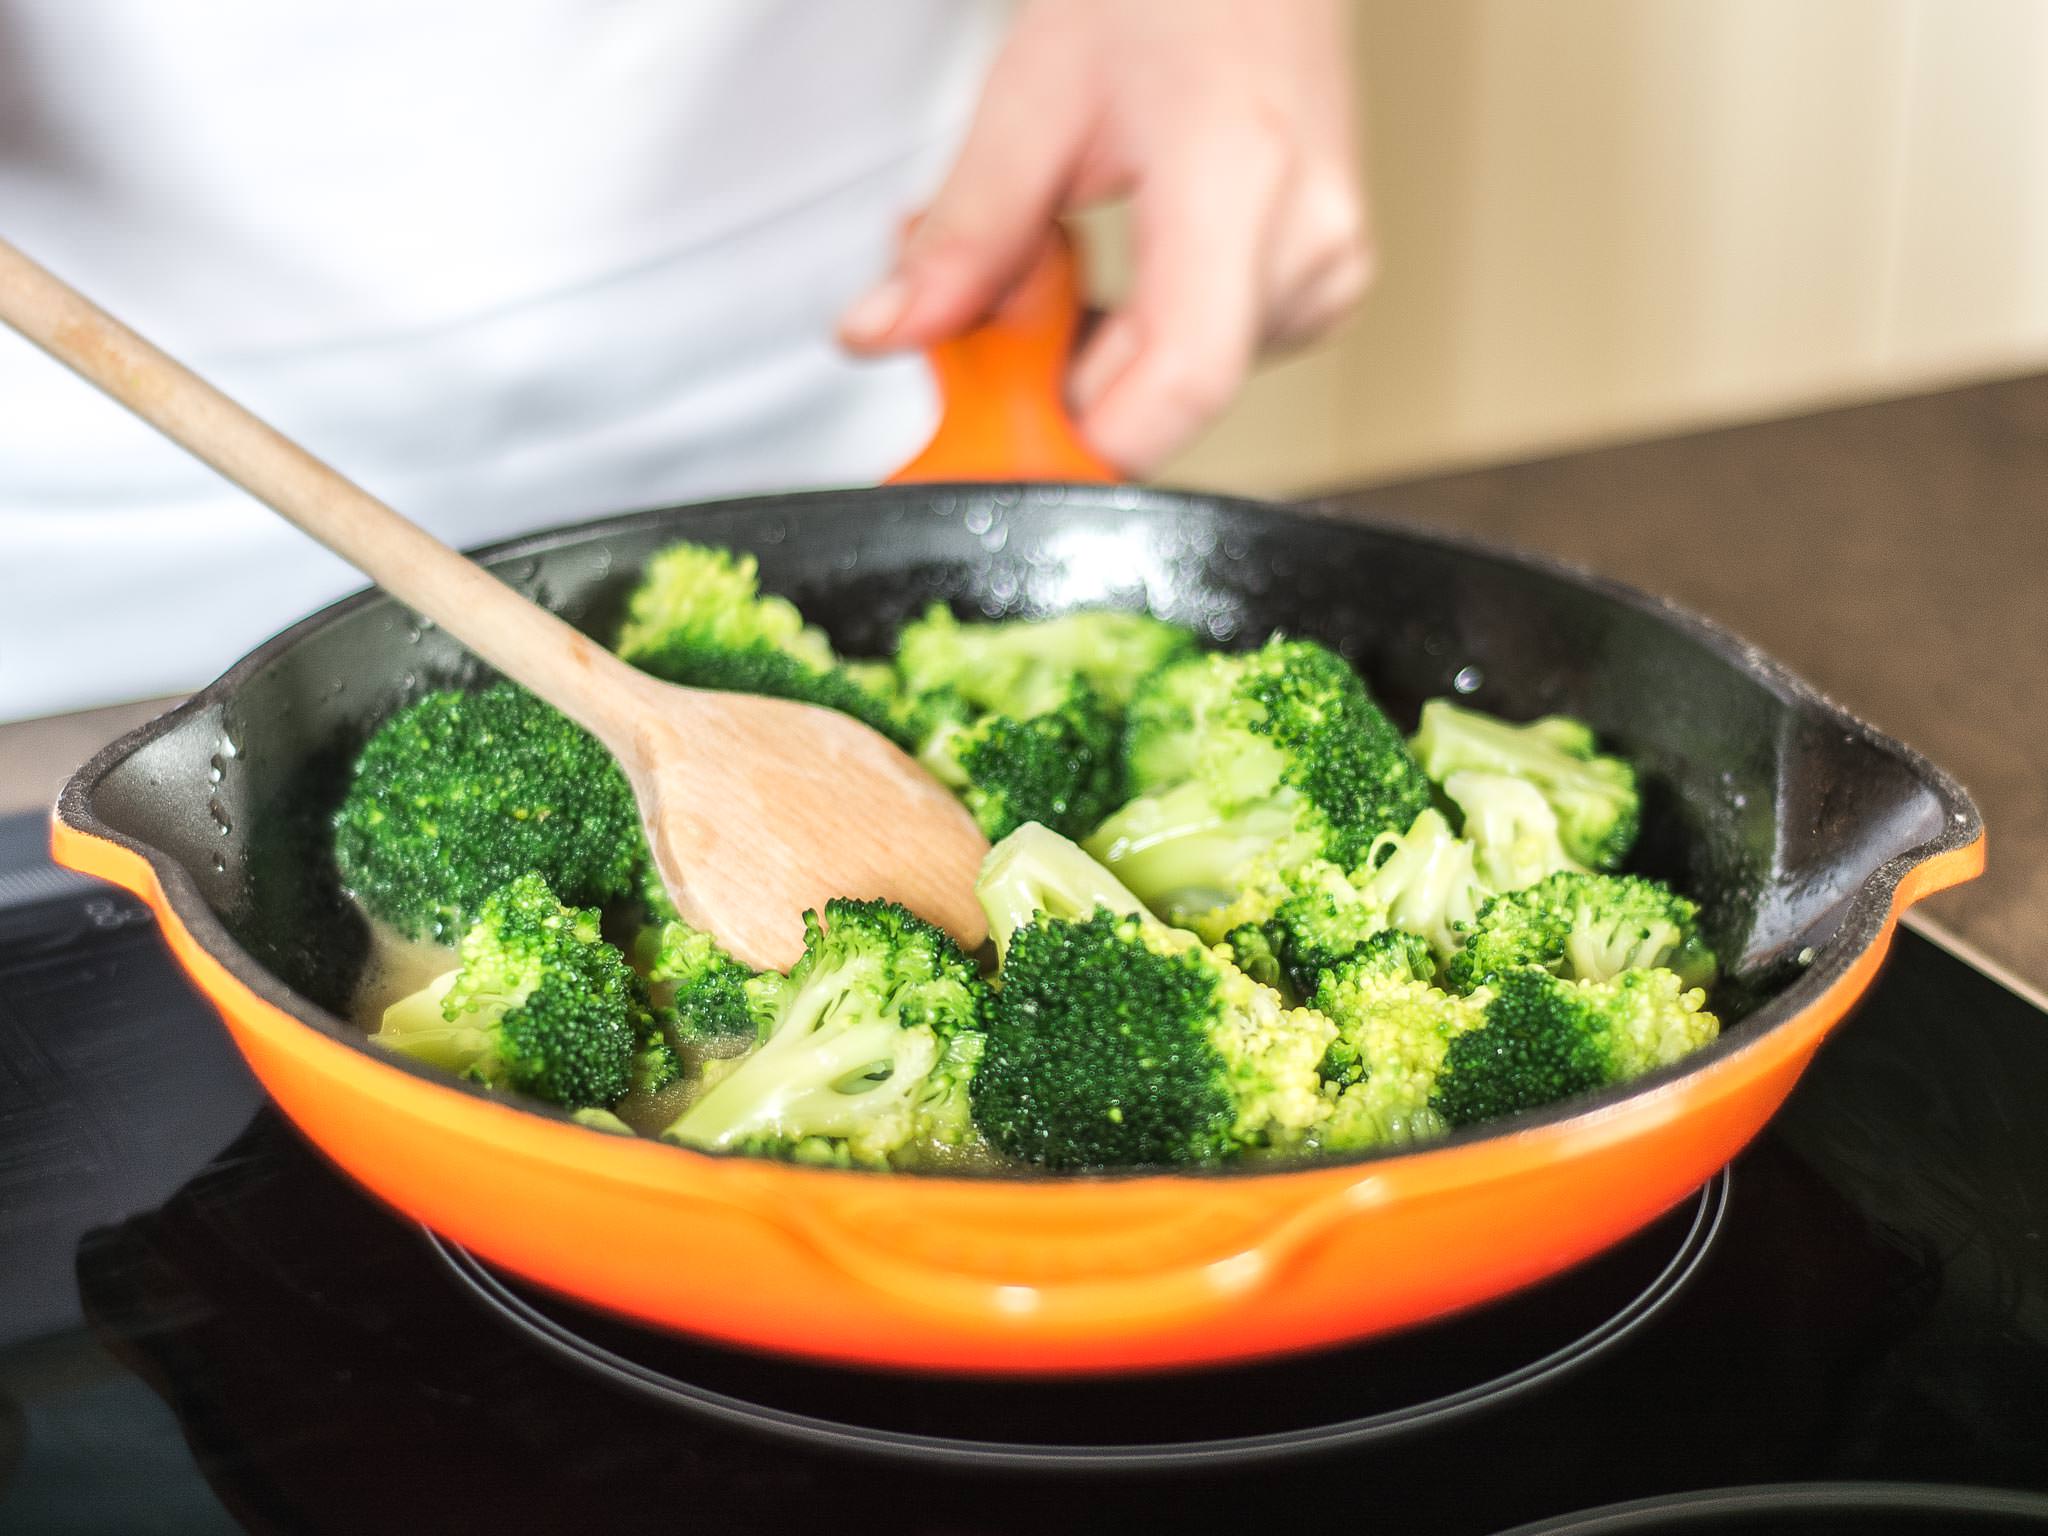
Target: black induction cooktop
(204, 1328)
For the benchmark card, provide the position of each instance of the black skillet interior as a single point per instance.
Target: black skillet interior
(1771, 806)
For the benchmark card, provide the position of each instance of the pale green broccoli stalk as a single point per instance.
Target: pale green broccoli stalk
(1511, 827)
(1425, 880)
(864, 1019)
(1595, 798)
(1587, 927)
(1189, 856)
(539, 1004)
(1546, 1039)
(1035, 870)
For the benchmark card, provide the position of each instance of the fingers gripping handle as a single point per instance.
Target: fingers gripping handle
(1002, 411)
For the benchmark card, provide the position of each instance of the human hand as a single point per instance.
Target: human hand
(1227, 123)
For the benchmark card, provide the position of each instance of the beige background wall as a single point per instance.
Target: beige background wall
(1606, 218)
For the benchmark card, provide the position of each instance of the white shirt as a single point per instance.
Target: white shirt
(505, 264)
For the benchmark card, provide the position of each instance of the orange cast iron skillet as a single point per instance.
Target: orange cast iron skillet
(1804, 832)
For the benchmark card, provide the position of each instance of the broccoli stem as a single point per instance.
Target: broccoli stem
(420, 1024)
(1036, 870)
(1183, 852)
(813, 1077)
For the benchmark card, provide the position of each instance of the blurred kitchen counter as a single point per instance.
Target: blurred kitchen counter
(1895, 554)
(37, 756)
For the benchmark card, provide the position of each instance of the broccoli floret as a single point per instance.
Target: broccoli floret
(1251, 951)
(713, 597)
(1058, 765)
(1595, 797)
(712, 996)
(1035, 870)
(1587, 927)
(1545, 1038)
(1001, 668)
(699, 618)
(1323, 922)
(1387, 957)
(1511, 827)
(1423, 880)
(841, 1074)
(1260, 761)
(656, 1063)
(539, 1004)
(1115, 1041)
(458, 793)
(1393, 1031)
(1299, 926)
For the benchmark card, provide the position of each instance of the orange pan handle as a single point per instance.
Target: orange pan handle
(1002, 411)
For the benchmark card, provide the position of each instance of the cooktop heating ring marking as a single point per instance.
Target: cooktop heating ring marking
(1706, 1508)
(520, 1313)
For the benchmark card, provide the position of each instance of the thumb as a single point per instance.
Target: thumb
(987, 222)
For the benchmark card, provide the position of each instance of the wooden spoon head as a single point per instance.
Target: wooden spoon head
(759, 810)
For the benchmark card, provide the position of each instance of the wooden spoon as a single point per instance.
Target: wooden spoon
(757, 809)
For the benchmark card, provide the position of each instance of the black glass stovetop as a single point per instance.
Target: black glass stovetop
(204, 1328)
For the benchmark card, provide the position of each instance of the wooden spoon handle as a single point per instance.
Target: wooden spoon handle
(518, 637)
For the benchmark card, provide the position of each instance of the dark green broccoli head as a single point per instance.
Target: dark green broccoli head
(699, 618)
(1117, 1042)
(1545, 1039)
(1013, 667)
(1540, 1043)
(1595, 798)
(540, 1004)
(1588, 927)
(854, 1034)
(1058, 767)
(1283, 758)
(1511, 931)
(1098, 1051)
(458, 793)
